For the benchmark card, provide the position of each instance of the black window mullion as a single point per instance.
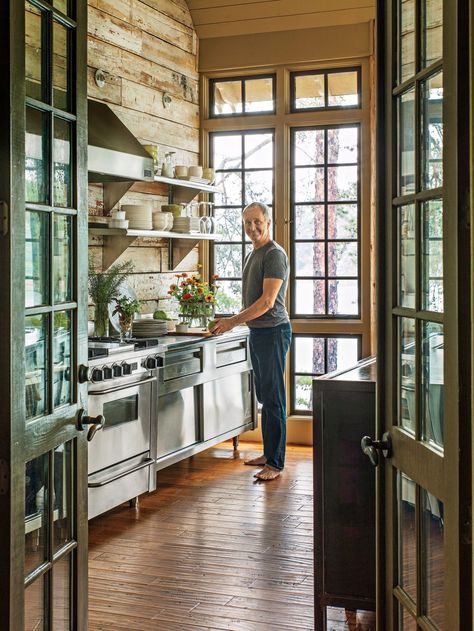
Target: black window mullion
(326, 231)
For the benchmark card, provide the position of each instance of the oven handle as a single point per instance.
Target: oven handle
(142, 465)
(125, 387)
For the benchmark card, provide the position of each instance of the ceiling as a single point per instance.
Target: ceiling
(220, 18)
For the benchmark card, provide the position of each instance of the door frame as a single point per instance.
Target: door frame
(19, 443)
(456, 467)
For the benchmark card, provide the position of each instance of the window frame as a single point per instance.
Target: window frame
(326, 203)
(244, 242)
(295, 411)
(242, 79)
(325, 72)
(282, 121)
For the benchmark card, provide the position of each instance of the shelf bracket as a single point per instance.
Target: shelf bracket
(113, 192)
(115, 246)
(178, 249)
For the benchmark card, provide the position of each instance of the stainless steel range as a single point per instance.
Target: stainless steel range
(120, 396)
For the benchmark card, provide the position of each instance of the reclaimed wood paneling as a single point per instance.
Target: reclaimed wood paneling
(146, 48)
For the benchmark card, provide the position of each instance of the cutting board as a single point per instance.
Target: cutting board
(194, 332)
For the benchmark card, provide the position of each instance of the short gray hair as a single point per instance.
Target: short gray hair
(263, 207)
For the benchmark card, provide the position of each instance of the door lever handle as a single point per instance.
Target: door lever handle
(372, 447)
(83, 420)
(92, 430)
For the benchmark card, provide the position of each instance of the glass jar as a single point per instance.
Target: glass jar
(101, 319)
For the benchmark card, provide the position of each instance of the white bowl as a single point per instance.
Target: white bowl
(119, 215)
(115, 223)
(169, 220)
(195, 171)
(159, 222)
(181, 171)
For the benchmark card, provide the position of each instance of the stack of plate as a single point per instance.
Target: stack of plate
(139, 216)
(148, 327)
(186, 224)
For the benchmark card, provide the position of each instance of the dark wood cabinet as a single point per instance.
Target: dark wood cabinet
(344, 492)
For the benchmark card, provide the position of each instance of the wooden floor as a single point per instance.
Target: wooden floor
(211, 549)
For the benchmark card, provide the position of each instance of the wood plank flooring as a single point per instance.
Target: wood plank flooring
(211, 549)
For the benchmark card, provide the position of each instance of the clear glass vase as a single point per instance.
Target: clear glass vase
(196, 316)
(125, 324)
(101, 319)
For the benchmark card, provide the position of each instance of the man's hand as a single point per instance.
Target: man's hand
(222, 326)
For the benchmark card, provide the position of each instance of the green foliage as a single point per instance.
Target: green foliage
(104, 286)
(126, 307)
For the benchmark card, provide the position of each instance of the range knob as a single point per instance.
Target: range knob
(117, 369)
(151, 362)
(97, 375)
(126, 368)
(108, 374)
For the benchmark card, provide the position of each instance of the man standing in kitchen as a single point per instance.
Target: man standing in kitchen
(264, 283)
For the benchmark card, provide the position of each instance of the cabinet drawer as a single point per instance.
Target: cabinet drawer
(231, 353)
(182, 364)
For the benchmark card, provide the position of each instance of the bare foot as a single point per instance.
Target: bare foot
(268, 473)
(259, 462)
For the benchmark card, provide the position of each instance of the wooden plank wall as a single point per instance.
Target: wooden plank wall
(146, 48)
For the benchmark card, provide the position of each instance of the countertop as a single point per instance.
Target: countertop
(175, 340)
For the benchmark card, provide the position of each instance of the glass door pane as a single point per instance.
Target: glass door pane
(415, 277)
(54, 266)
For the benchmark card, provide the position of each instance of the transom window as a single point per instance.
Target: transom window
(329, 89)
(242, 95)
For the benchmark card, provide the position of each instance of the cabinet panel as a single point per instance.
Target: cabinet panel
(227, 404)
(344, 491)
(177, 421)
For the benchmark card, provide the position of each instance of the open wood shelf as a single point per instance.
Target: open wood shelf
(117, 240)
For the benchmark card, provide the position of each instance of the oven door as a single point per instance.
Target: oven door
(126, 429)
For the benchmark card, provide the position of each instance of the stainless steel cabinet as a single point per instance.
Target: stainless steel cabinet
(204, 395)
(177, 421)
(227, 404)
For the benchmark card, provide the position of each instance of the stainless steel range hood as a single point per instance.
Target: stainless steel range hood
(114, 154)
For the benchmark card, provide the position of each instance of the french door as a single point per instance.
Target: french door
(43, 303)
(424, 564)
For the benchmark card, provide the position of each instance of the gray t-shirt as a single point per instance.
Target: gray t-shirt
(269, 261)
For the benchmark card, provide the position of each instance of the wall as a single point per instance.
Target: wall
(146, 48)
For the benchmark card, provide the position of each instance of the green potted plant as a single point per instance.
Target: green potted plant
(126, 308)
(103, 288)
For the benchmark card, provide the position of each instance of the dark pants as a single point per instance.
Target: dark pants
(268, 348)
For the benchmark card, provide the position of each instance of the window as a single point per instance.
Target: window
(242, 96)
(243, 162)
(325, 222)
(325, 90)
(313, 356)
(311, 164)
